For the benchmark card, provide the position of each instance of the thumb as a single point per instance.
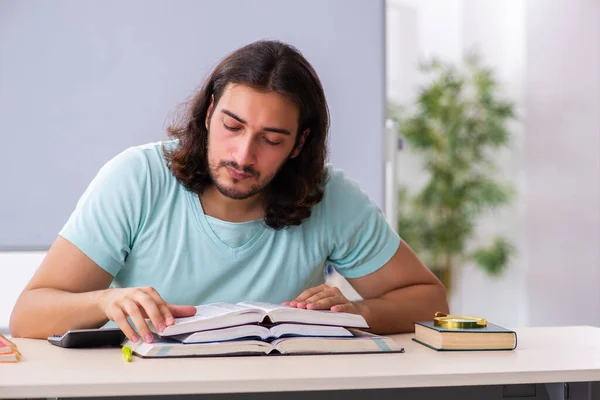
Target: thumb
(348, 307)
(182, 311)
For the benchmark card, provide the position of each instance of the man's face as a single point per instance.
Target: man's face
(250, 136)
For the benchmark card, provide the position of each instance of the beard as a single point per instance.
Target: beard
(233, 192)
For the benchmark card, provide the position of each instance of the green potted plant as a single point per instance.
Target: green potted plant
(456, 123)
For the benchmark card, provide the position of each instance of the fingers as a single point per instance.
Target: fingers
(118, 312)
(135, 314)
(347, 308)
(117, 315)
(181, 311)
(160, 312)
(163, 314)
(324, 300)
(325, 304)
(306, 294)
(322, 297)
(151, 308)
(139, 304)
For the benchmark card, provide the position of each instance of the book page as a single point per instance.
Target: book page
(361, 342)
(266, 307)
(226, 334)
(308, 330)
(162, 347)
(212, 310)
(278, 313)
(212, 316)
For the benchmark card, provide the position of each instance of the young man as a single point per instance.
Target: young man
(239, 205)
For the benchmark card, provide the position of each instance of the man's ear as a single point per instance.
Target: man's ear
(300, 143)
(209, 111)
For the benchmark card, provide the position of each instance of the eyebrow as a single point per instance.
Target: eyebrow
(266, 129)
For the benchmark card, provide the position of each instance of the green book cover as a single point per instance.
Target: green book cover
(490, 328)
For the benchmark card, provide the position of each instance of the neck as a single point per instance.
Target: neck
(224, 208)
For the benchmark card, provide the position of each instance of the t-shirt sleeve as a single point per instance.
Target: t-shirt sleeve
(361, 240)
(106, 218)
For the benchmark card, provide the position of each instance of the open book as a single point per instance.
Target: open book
(261, 332)
(359, 342)
(222, 315)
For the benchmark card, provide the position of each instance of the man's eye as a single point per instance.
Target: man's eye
(270, 143)
(231, 128)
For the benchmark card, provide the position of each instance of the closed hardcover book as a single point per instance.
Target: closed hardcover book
(490, 337)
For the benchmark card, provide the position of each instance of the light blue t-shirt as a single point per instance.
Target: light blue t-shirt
(234, 234)
(136, 221)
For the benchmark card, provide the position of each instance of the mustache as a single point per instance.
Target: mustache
(245, 169)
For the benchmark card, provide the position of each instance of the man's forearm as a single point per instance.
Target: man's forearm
(44, 312)
(396, 311)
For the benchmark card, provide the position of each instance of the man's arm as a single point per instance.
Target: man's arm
(70, 291)
(63, 294)
(399, 293)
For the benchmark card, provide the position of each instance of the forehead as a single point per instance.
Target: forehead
(260, 107)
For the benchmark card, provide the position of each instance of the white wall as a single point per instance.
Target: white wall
(16, 268)
(546, 55)
(438, 26)
(563, 161)
(497, 30)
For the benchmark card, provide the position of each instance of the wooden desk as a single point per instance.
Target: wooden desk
(543, 356)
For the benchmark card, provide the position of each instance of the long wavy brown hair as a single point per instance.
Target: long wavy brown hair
(268, 66)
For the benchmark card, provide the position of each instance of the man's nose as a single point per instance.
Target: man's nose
(244, 153)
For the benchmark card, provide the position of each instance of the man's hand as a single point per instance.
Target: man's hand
(139, 304)
(323, 297)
